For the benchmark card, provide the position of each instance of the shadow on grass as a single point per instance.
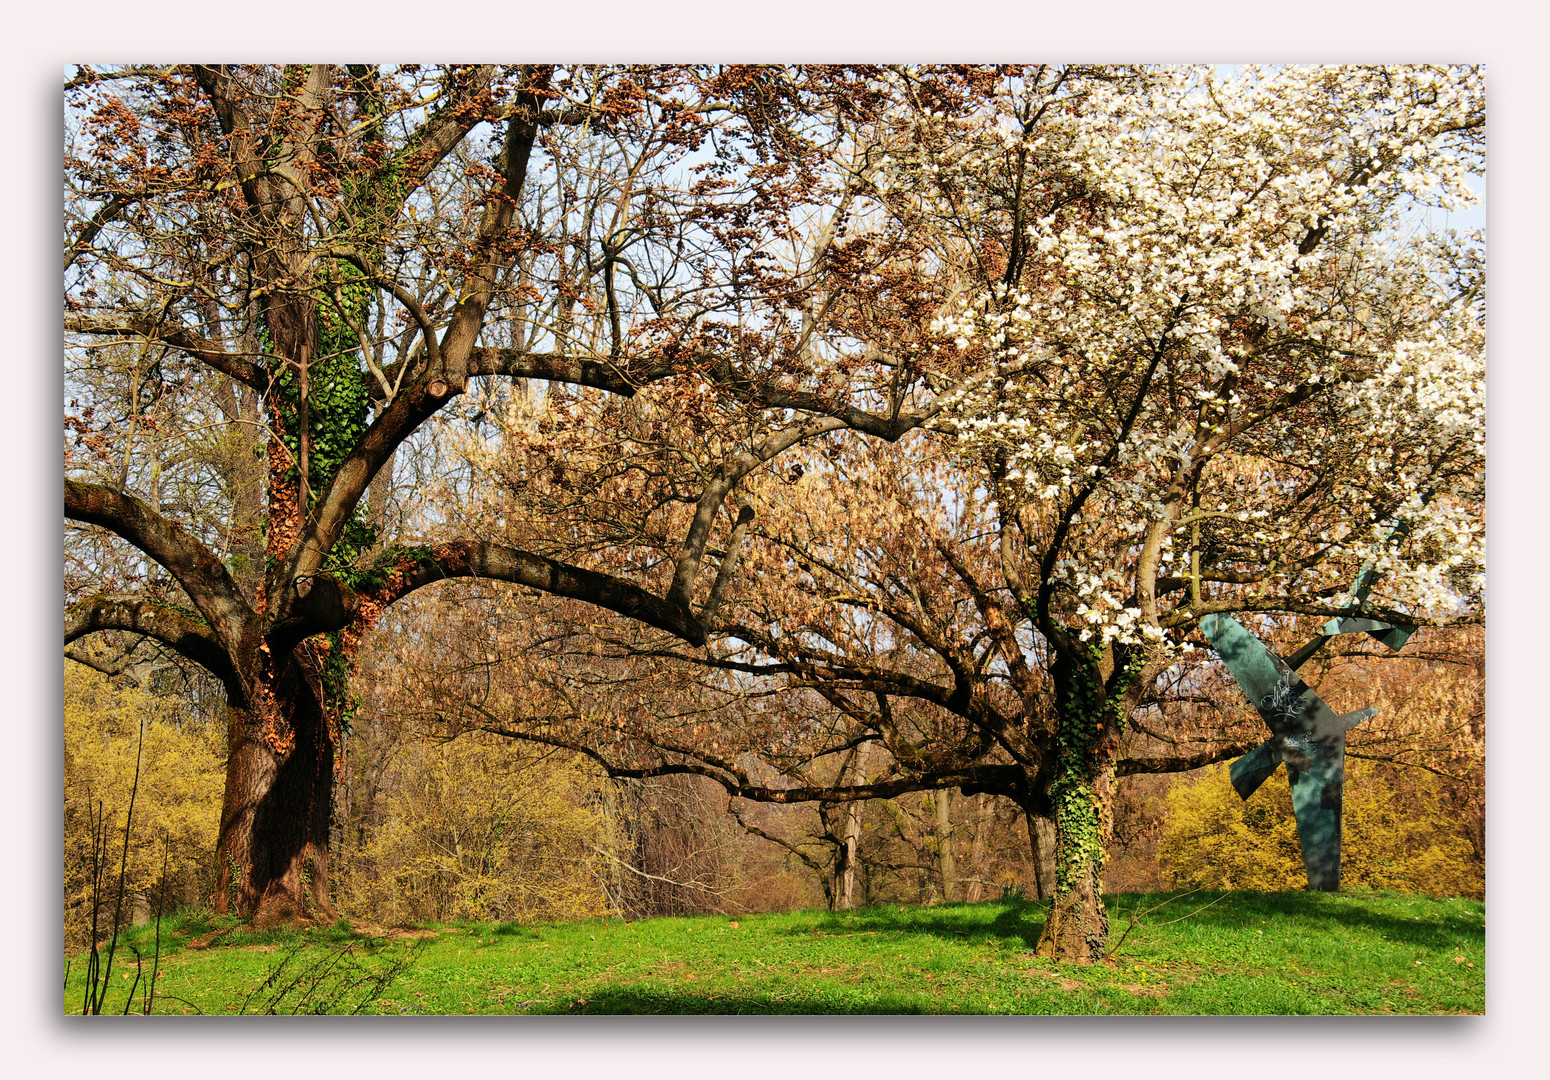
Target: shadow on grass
(1319, 912)
(1015, 922)
(627, 1001)
(1019, 922)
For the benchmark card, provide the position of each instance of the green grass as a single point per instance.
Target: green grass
(1245, 953)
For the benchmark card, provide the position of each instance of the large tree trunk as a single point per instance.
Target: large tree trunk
(1077, 929)
(1041, 840)
(273, 846)
(1090, 710)
(275, 819)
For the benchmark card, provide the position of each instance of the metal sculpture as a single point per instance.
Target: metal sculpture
(1305, 733)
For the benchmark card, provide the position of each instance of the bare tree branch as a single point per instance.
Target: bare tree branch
(203, 576)
(187, 636)
(198, 348)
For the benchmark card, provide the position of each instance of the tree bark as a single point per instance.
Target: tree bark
(140, 907)
(1041, 839)
(843, 897)
(273, 845)
(944, 844)
(983, 810)
(1091, 709)
(1077, 930)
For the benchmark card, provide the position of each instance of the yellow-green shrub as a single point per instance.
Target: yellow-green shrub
(476, 829)
(1392, 839)
(176, 810)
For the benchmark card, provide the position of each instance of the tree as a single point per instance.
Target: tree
(855, 657)
(1233, 373)
(324, 261)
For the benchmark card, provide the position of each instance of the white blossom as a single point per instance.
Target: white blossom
(1245, 293)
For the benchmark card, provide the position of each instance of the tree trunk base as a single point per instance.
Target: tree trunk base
(297, 899)
(1077, 930)
(278, 909)
(273, 848)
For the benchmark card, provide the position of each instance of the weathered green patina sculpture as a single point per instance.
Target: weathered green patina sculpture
(1306, 733)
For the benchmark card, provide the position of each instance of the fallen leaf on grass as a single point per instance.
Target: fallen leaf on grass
(1065, 984)
(1149, 991)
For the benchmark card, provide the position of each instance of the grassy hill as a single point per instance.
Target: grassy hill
(1251, 953)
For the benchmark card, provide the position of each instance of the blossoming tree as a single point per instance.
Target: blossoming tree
(1216, 379)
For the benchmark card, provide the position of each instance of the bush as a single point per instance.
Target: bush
(1397, 836)
(177, 807)
(475, 829)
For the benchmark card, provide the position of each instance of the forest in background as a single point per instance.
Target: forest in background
(474, 827)
(615, 487)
